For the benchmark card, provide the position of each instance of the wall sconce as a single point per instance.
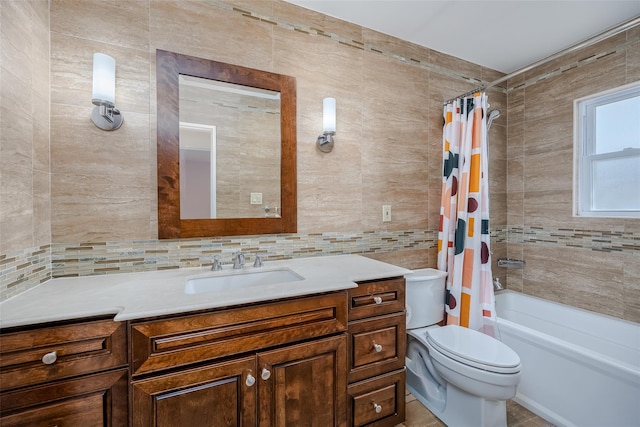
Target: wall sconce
(105, 115)
(325, 141)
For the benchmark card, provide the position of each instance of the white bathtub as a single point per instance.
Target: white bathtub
(579, 368)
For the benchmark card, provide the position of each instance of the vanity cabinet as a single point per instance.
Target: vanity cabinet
(67, 374)
(273, 364)
(376, 353)
(327, 359)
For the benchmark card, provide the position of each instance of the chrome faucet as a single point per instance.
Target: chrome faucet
(216, 265)
(238, 260)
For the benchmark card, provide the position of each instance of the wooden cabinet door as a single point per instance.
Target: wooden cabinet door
(98, 400)
(304, 384)
(220, 394)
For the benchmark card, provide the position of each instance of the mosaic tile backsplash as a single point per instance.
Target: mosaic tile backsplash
(145, 255)
(22, 271)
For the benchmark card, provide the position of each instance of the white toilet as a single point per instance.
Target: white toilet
(463, 376)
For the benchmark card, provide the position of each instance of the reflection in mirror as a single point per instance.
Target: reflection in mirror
(226, 149)
(197, 176)
(229, 150)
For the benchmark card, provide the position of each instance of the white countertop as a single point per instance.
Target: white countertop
(137, 295)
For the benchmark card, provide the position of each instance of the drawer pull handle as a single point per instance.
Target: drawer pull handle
(50, 358)
(265, 375)
(250, 381)
(377, 347)
(378, 408)
(377, 300)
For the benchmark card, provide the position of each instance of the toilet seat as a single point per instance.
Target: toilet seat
(474, 349)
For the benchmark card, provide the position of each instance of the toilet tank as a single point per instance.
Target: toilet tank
(425, 297)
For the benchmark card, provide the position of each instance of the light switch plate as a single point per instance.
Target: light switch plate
(256, 198)
(386, 213)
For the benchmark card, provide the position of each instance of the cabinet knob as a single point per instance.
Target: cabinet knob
(50, 358)
(251, 380)
(377, 300)
(265, 375)
(377, 347)
(378, 408)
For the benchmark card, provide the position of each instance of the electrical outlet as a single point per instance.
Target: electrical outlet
(386, 213)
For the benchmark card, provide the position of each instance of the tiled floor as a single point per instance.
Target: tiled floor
(419, 416)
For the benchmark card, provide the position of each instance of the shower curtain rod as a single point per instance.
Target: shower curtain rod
(593, 40)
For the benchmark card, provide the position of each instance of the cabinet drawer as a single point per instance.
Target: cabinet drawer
(378, 402)
(91, 400)
(73, 350)
(179, 341)
(375, 298)
(376, 345)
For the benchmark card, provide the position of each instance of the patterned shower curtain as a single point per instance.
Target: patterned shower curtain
(463, 237)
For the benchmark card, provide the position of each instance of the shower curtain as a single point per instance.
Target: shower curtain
(463, 236)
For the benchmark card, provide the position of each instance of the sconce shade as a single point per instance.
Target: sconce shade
(104, 79)
(105, 115)
(325, 141)
(329, 115)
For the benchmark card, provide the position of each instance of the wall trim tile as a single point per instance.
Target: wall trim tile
(595, 240)
(91, 258)
(578, 63)
(23, 270)
(349, 42)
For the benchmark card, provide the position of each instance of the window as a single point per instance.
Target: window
(607, 153)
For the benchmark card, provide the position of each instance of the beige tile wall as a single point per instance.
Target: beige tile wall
(24, 125)
(25, 208)
(601, 276)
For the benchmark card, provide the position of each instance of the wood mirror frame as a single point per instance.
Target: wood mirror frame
(169, 66)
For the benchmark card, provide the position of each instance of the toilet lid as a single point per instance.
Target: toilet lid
(474, 348)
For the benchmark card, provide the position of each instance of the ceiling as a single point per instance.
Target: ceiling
(503, 35)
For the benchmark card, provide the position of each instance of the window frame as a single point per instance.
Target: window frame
(584, 144)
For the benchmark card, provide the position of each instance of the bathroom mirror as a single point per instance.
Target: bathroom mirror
(226, 149)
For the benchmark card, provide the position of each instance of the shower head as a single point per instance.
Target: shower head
(493, 114)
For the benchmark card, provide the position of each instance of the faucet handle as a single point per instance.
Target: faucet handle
(258, 261)
(216, 265)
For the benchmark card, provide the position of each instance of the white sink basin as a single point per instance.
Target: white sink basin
(239, 280)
